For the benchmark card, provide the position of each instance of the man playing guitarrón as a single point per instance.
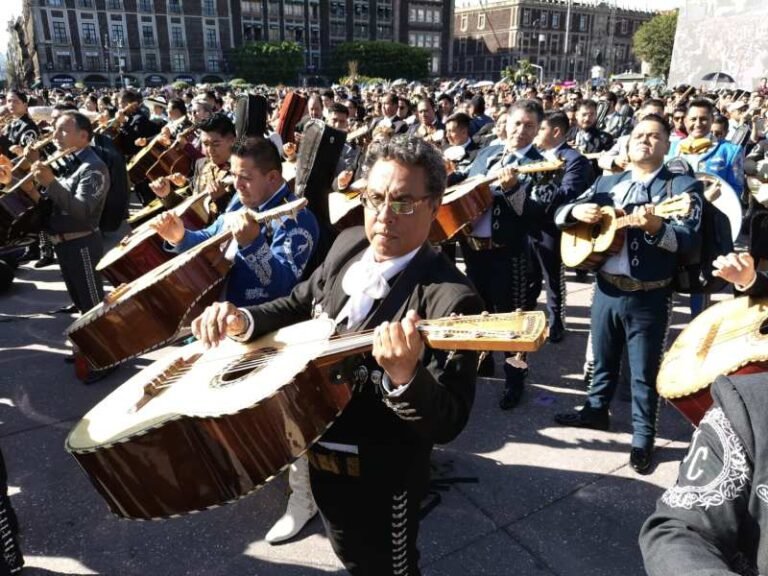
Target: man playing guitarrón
(371, 469)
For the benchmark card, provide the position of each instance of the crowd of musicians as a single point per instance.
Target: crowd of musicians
(79, 158)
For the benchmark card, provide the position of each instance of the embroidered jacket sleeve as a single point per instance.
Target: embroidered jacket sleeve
(82, 195)
(273, 263)
(699, 523)
(681, 235)
(563, 218)
(194, 237)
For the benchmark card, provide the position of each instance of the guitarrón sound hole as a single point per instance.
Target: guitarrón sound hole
(249, 363)
(595, 231)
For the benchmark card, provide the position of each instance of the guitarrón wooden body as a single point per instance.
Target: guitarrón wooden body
(202, 428)
(729, 337)
(142, 250)
(150, 311)
(218, 432)
(462, 205)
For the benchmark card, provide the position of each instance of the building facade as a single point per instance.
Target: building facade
(155, 42)
(321, 25)
(120, 42)
(563, 38)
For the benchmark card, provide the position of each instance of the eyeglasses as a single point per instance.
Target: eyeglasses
(399, 207)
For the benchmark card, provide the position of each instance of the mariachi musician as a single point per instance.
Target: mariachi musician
(429, 127)
(633, 291)
(546, 261)
(22, 130)
(72, 203)
(211, 173)
(496, 252)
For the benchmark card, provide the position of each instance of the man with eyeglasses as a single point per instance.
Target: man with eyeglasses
(370, 471)
(679, 131)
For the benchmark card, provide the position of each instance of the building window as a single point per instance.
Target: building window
(63, 62)
(174, 6)
(85, 3)
(213, 64)
(469, 65)
(60, 32)
(118, 36)
(177, 37)
(624, 26)
(543, 19)
(90, 38)
(556, 20)
(464, 22)
(145, 6)
(92, 62)
(481, 21)
(209, 8)
(114, 5)
(178, 62)
(526, 17)
(339, 9)
(147, 36)
(211, 41)
(582, 22)
(150, 61)
(55, 2)
(489, 64)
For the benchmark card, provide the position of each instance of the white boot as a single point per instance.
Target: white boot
(301, 505)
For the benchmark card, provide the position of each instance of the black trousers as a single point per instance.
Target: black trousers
(372, 525)
(546, 265)
(11, 560)
(78, 259)
(502, 278)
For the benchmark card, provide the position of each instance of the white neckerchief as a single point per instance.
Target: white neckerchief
(366, 281)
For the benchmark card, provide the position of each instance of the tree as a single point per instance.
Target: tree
(654, 40)
(269, 62)
(390, 60)
(522, 74)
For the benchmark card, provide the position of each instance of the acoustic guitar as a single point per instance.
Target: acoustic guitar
(198, 428)
(587, 246)
(465, 202)
(730, 337)
(153, 309)
(141, 250)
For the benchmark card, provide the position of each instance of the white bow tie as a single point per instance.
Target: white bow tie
(364, 284)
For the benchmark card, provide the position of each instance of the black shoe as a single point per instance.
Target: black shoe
(44, 261)
(487, 367)
(68, 309)
(641, 459)
(585, 418)
(556, 333)
(511, 397)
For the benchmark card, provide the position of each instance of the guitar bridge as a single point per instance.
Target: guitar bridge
(162, 382)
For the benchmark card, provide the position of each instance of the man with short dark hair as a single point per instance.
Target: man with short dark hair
(496, 253)
(547, 263)
(371, 469)
(633, 291)
(586, 136)
(270, 257)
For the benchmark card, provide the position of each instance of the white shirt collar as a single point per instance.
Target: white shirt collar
(646, 179)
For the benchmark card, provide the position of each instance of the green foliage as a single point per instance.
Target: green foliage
(180, 85)
(269, 62)
(361, 80)
(654, 40)
(238, 82)
(382, 59)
